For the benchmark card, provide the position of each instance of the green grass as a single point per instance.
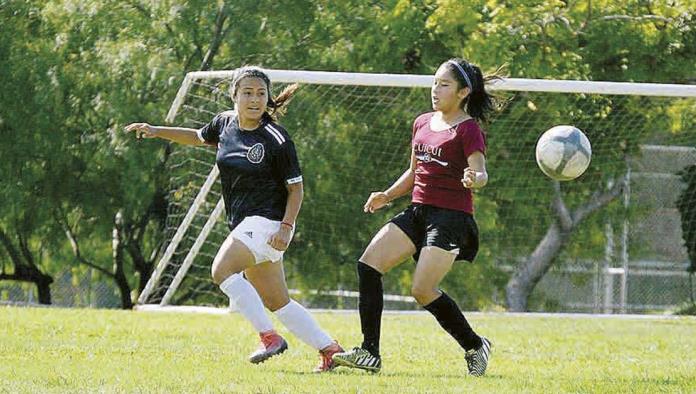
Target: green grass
(79, 350)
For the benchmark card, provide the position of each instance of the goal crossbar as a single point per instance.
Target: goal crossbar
(425, 81)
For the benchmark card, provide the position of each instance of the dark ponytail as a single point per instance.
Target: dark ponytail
(276, 106)
(479, 103)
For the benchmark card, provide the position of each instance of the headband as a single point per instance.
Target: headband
(464, 74)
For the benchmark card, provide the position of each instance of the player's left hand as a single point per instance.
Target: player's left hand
(142, 130)
(281, 239)
(469, 178)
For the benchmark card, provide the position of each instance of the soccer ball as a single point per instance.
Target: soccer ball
(563, 152)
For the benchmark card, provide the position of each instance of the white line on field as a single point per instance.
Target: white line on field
(222, 311)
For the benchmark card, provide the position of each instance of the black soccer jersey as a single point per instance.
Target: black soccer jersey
(255, 165)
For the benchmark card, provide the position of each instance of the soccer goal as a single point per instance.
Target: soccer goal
(352, 132)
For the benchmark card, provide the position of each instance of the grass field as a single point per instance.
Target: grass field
(79, 350)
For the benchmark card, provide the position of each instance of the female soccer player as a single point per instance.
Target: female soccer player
(262, 190)
(447, 162)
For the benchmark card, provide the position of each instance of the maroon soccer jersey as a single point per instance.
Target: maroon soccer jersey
(441, 160)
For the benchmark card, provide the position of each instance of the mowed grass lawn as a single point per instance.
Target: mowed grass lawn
(82, 350)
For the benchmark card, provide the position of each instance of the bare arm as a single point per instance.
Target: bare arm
(475, 176)
(401, 187)
(292, 207)
(404, 184)
(180, 135)
(281, 239)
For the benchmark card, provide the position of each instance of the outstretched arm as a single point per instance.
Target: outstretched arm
(401, 187)
(181, 135)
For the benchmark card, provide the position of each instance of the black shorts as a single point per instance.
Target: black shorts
(447, 229)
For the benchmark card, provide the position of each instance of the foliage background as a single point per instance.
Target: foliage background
(79, 195)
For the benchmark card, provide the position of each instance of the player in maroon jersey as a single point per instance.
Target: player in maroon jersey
(447, 161)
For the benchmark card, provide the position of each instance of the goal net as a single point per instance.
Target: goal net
(352, 132)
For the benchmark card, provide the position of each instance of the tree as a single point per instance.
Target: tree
(103, 47)
(25, 230)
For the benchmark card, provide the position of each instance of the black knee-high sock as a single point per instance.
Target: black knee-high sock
(453, 321)
(370, 306)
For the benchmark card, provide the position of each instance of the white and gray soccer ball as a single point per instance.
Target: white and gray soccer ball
(563, 152)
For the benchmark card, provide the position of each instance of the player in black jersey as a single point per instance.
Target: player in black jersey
(262, 189)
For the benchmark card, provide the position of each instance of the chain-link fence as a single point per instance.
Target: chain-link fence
(70, 288)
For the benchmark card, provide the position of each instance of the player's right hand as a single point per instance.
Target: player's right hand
(376, 201)
(142, 130)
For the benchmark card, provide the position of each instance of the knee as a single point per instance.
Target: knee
(423, 294)
(217, 276)
(373, 255)
(221, 271)
(275, 303)
(373, 261)
(367, 264)
(368, 258)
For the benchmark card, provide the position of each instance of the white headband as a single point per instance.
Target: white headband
(464, 74)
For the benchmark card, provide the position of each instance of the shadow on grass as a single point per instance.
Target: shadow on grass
(388, 375)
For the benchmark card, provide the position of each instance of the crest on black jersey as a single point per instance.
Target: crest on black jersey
(255, 153)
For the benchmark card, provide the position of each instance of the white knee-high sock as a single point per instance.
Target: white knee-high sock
(300, 322)
(247, 301)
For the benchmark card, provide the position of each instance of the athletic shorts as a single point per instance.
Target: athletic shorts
(254, 232)
(453, 231)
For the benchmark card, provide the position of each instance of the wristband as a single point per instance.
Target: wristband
(288, 224)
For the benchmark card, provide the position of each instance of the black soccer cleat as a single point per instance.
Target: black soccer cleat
(477, 359)
(358, 358)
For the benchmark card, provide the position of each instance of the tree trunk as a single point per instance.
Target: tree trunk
(133, 235)
(43, 287)
(118, 269)
(534, 267)
(530, 272)
(25, 270)
(218, 37)
(142, 267)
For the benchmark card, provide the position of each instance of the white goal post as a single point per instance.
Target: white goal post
(352, 80)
